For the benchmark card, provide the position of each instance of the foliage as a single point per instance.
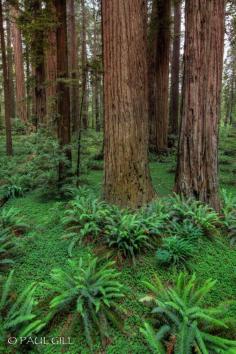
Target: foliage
(175, 250)
(198, 213)
(128, 233)
(229, 215)
(84, 217)
(17, 314)
(10, 219)
(7, 248)
(89, 293)
(183, 321)
(186, 230)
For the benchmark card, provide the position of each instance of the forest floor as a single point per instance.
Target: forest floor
(43, 249)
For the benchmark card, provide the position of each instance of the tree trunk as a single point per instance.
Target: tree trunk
(84, 93)
(6, 88)
(39, 65)
(127, 178)
(63, 94)
(21, 104)
(159, 41)
(175, 67)
(197, 170)
(51, 68)
(10, 66)
(73, 65)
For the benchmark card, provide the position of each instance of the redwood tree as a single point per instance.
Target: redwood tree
(63, 94)
(6, 87)
(197, 170)
(159, 55)
(21, 104)
(127, 179)
(175, 67)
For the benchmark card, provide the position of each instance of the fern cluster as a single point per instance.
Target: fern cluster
(183, 323)
(18, 314)
(229, 215)
(90, 293)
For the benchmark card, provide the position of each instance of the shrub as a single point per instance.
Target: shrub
(229, 215)
(18, 315)
(89, 293)
(84, 217)
(183, 321)
(198, 213)
(10, 219)
(128, 234)
(185, 230)
(175, 251)
(7, 248)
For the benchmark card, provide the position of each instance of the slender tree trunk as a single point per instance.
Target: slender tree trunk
(63, 94)
(28, 78)
(73, 65)
(10, 66)
(175, 68)
(84, 98)
(159, 73)
(51, 68)
(6, 87)
(96, 73)
(21, 104)
(39, 65)
(127, 178)
(197, 170)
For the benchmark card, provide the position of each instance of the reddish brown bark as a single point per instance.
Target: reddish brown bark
(21, 105)
(175, 68)
(10, 65)
(127, 179)
(37, 49)
(63, 94)
(73, 65)
(84, 93)
(197, 171)
(6, 87)
(159, 52)
(51, 66)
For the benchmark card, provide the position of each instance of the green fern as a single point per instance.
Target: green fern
(180, 313)
(91, 293)
(7, 248)
(18, 315)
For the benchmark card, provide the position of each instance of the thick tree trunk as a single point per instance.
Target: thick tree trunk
(197, 170)
(6, 88)
(73, 65)
(175, 68)
(127, 179)
(159, 40)
(21, 105)
(63, 94)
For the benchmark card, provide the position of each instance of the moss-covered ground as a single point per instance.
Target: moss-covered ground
(43, 249)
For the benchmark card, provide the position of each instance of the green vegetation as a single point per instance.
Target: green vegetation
(189, 233)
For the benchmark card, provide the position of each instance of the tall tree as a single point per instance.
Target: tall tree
(127, 179)
(159, 55)
(73, 65)
(10, 64)
(63, 94)
(175, 68)
(37, 49)
(51, 64)
(84, 93)
(6, 87)
(197, 170)
(21, 104)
